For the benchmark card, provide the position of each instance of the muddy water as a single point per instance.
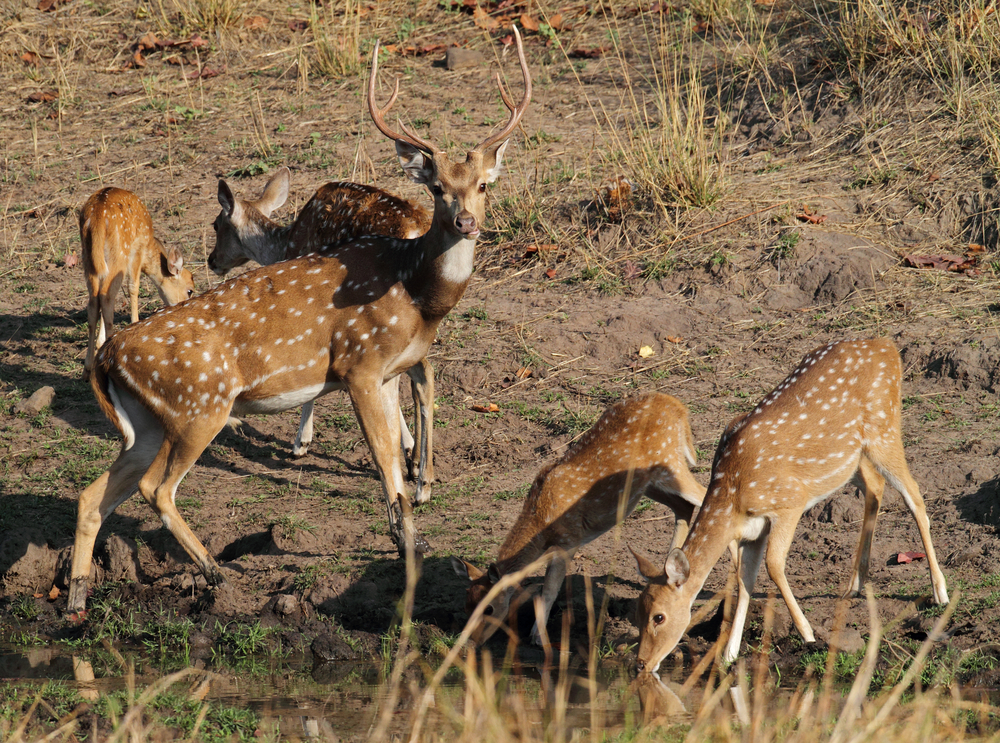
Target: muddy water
(297, 699)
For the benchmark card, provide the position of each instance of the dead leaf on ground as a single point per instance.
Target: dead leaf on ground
(49, 5)
(30, 58)
(54, 593)
(645, 352)
(255, 23)
(529, 23)
(137, 60)
(556, 22)
(904, 557)
(551, 273)
(483, 20)
(490, 408)
(541, 248)
(808, 215)
(523, 373)
(675, 339)
(196, 41)
(974, 249)
(149, 41)
(43, 96)
(297, 24)
(956, 263)
(592, 53)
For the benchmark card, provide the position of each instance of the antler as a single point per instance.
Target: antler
(378, 114)
(516, 112)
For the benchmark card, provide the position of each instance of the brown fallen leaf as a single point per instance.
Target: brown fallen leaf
(529, 23)
(49, 5)
(904, 557)
(297, 24)
(255, 23)
(556, 22)
(974, 249)
(675, 339)
(523, 373)
(196, 41)
(54, 593)
(30, 58)
(137, 60)
(551, 273)
(490, 408)
(149, 41)
(956, 263)
(483, 20)
(43, 96)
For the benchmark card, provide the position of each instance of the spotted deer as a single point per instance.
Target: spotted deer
(640, 446)
(352, 317)
(116, 235)
(336, 213)
(834, 419)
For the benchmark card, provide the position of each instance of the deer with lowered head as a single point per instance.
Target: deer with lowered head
(352, 317)
(116, 237)
(835, 418)
(336, 213)
(640, 446)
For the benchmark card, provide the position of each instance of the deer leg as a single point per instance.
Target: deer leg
(93, 320)
(107, 300)
(305, 435)
(133, 294)
(422, 384)
(751, 553)
(782, 531)
(682, 507)
(873, 484)
(159, 486)
(370, 407)
(406, 442)
(891, 464)
(99, 501)
(555, 576)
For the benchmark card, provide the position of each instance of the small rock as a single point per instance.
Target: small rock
(457, 58)
(847, 640)
(330, 647)
(122, 562)
(286, 605)
(38, 401)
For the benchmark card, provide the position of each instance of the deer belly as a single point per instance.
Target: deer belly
(285, 400)
(414, 351)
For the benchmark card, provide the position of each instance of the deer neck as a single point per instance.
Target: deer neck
(717, 524)
(522, 546)
(264, 240)
(442, 267)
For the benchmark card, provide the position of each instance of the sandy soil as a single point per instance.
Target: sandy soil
(733, 312)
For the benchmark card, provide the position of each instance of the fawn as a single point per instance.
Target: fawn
(835, 418)
(640, 446)
(116, 234)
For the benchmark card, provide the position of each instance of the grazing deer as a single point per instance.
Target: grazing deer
(352, 317)
(337, 212)
(836, 417)
(116, 234)
(641, 446)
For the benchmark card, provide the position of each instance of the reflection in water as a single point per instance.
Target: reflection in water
(299, 700)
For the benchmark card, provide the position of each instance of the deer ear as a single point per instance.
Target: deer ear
(676, 568)
(226, 199)
(275, 192)
(493, 172)
(465, 569)
(416, 164)
(647, 569)
(493, 573)
(172, 259)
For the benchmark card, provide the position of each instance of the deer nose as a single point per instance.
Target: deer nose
(466, 224)
(640, 666)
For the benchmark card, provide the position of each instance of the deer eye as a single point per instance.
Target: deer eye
(659, 619)
(488, 611)
(482, 188)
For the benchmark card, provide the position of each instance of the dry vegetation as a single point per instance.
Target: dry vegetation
(703, 106)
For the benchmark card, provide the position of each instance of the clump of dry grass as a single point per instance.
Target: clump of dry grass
(336, 31)
(207, 16)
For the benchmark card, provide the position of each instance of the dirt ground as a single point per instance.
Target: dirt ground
(741, 291)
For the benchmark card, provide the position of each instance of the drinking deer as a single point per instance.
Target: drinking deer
(640, 446)
(116, 234)
(336, 213)
(352, 317)
(834, 419)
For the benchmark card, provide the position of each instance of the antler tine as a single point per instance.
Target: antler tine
(516, 111)
(378, 114)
